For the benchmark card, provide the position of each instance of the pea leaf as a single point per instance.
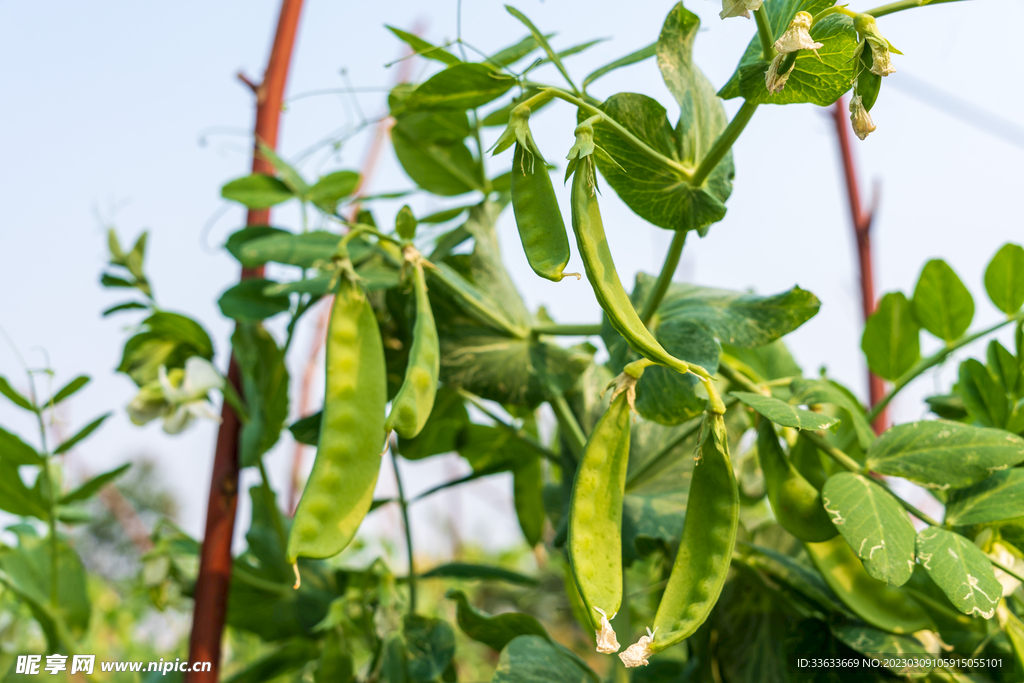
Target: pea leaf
(816, 78)
(332, 188)
(823, 391)
(292, 656)
(15, 451)
(68, 390)
(239, 238)
(17, 498)
(527, 490)
(779, 13)
(882, 647)
(481, 572)
(265, 387)
(304, 250)
(535, 659)
(495, 631)
(891, 339)
(985, 400)
(792, 574)
(248, 302)
(782, 413)
(428, 154)
(257, 191)
(13, 395)
(1004, 366)
(942, 454)
(961, 570)
(84, 432)
(513, 53)
(424, 48)
(941, 302)
(461, 86)
(1004, 278)
(430, 644)
(999, 497)
(448, 418)
(167, 339)
(874, 525)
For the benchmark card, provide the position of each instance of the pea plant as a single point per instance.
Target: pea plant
(717, 514)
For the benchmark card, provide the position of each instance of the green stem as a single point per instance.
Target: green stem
(902, 5)
(235, 401)
(668, 269)
(49, 484)
(738, 378)
(569, 426)
(623, 132)
(567, 330)
(404, 504)
(723, 144)
(837, 9)
(518, 433)
(933, 360)
(764, 32)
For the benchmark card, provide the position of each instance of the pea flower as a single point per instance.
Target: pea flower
(607, 643)
(1001, 554)
(798, 35)
(636, 654)
(178, 396)
(860, 118)
(738, 8)
(867, 28)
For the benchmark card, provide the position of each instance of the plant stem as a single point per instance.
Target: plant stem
(736, 377)
(668, 269)
(567, 330)
(902, 5)
(764, 32)
(723, 144)
(404, 504)
(568, 424)
(214, 579)
(623, 132)
(933, 360)
(52, 494)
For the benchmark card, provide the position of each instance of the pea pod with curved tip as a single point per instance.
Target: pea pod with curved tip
(886, 607)
(796, 504)
(340, 487)
(538, 217)
(709, 536)
(415, 399)
(597, 261)
(595, 517)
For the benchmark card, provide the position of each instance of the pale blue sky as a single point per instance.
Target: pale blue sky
(106, 104)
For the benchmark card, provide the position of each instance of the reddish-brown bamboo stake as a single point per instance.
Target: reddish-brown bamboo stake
(861, 220)
(213, 582)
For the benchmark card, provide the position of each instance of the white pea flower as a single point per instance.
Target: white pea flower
(607, 643)
(773, 80)
(881, 64)
(1001, 554)
(860, 118)
(636, 654)
(178, 396)
(798, 35)
(738, 8)
(867, 28)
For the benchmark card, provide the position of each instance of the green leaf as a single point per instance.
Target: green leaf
(493, 631)
(307, 430)
(289, 175)
(16, 398)
(891, 338)
(985, 400)
(898, 653)
(444, 427)
(305, 250)
(632, 58)
(999, 497)
(527, 489)
(1004, 278)
(875, 526)
(941, 454)
(782, 413)
(15, 451)
(336, 665)
(68, 389)
(82, 433)
(461, 86)
(430, 645)
(17, 498)
(290, 657)
(424, 48)
(541, 40)
(128, 306)
(941, 302)
(265, 386)
(658, 194)
(535, 659)
(405, 223)
(167, 339)
(108, 280)
(332, 188)
(562, 54)
(779, 14)
(257, 191)
(812, 80)
(444, 216)
(814, 392)
(240, 238)
(961, 570)
(247, 301)
(93, 486)
(481, 572)
(513, 53)
(1004, 366)
(792, 574)
(431, 150)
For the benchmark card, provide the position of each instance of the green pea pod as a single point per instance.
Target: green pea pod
(886, 607)
(597, 260)
(538, 218)
(709, 536)
(415, 399)
(796, 504)
(595, 515)
(340, 487)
